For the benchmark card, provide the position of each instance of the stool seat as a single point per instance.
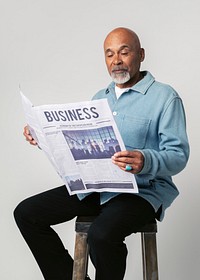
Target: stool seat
(149, 249)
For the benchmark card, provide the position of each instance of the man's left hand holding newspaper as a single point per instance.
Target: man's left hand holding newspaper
(28, 136)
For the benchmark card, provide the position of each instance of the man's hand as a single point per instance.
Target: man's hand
(135, 159)
(28, 136)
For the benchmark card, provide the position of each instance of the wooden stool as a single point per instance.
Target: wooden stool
(149, 249)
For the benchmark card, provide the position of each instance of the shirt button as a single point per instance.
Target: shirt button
(114, 113)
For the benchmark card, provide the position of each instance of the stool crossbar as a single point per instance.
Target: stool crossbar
(148, 241)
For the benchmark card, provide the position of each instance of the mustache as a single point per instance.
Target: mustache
(118, 68)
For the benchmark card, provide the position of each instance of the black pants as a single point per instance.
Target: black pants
(116, 219)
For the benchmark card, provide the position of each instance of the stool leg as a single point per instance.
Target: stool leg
(149, 256)
(80, 256)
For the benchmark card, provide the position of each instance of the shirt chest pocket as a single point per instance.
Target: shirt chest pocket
(133, 130)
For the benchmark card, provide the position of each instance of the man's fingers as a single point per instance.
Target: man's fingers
(134, 159)
(28, 136)
(122, 159)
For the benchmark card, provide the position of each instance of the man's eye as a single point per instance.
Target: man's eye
(109, 54)
(124, 53)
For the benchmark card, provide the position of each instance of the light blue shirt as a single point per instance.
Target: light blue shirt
(151, 119)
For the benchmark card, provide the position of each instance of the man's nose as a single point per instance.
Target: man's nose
(117, 60)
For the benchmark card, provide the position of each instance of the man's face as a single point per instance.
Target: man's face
(123, 56)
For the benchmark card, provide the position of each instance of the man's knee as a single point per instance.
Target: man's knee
(23, 212)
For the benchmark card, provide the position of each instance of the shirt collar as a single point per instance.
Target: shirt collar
(142, 86)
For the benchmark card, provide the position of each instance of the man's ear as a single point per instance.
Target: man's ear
(142, 54)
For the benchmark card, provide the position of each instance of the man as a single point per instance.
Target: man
(151, 120)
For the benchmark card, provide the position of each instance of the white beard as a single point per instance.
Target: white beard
(121, 78)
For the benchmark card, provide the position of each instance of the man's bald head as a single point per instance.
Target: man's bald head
(122, 32)
(123, 55)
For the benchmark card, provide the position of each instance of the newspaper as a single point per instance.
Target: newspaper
(79, 139)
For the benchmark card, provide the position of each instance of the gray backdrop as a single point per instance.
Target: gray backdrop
(53, 49)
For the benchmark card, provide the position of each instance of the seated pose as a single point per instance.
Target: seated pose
(151, 119)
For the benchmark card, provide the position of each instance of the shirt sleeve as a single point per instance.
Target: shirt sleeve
(173, 152)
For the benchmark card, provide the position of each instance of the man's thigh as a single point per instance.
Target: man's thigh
(56, 206)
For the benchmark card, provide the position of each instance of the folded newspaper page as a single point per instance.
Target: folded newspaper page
(79, 139)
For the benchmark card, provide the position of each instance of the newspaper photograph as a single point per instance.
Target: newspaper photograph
(79, 139)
